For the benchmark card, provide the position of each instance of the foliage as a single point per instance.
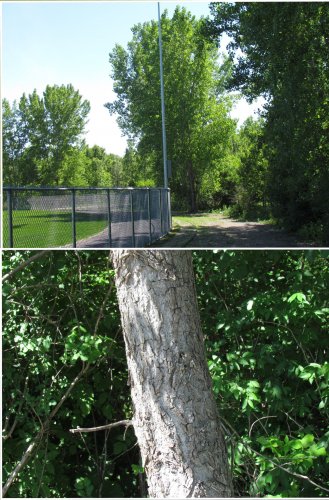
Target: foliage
(252, 183)
(100, 167)
(284, 53)
(43, 145)
(265, 320)
(135, 171)
(61, 317)
(41, 134)
(197, 122)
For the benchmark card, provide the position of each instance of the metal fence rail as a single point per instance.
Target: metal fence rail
(84, 217)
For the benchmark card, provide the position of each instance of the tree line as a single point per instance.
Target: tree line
(285, 59)
(276, 165)
(43, 143)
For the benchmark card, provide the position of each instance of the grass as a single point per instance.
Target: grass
(195, 220)
(169, 236)
(257, 213)
(42, 228)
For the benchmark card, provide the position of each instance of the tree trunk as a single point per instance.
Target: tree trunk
(191, 176)
(175, 416)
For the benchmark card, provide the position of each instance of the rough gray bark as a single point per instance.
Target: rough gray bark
(175, 416)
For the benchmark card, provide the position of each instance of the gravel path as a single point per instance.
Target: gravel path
(213, 231)
(217, 231)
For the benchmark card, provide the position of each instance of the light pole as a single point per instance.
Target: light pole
(164, 140)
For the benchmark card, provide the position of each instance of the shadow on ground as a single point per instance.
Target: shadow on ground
(217, 231)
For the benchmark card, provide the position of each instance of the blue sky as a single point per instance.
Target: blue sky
(69, 42)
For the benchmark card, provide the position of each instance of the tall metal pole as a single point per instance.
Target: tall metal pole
(164, 140)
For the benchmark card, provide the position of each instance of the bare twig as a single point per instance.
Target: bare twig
(9, 434)
(68, 392)
(291, 418)
(101, 311)
(44, 426)
(79, 269)
(24, 264)
(127, 423)
(255, 422)
(25, 458)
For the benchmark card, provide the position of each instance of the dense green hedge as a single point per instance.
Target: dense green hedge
(265, 320)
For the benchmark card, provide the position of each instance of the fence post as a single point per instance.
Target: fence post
(149, 214)
(10, 219)
(74, 231)
(161, 221)
(132, 217)
(169, 210)
(109, 216)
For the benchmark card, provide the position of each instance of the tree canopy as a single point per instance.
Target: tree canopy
(40, 134)
(43, 143)
(198, 125)
(284, 53)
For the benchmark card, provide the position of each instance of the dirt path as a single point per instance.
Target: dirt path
(213, 231)
(217, 231)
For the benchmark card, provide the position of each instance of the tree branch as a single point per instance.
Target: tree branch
(44, 426)
(24, 264)
(295, 474)
(262, 418)
(101, 311)
(127, 423)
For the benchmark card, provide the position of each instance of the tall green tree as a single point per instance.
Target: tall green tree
(197, 122)
(131, 167)
(15, 153)
(285, 52)
(42, 133)
(97, 169)
(175, 415)
(252, 184)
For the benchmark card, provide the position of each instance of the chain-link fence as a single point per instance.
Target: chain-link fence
(84, 217)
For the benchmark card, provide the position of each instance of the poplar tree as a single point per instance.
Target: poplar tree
(197, 122)
(175, 416)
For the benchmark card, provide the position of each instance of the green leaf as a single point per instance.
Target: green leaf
(297, 444)
(298, 297)
(137, 469)
(319, 452)
(322, 404)
(250, 305)
(46, 342)
(307, 440)
(119, 447)
(23, 327)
